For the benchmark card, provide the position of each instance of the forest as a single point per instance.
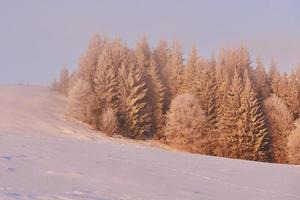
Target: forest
(227, 105)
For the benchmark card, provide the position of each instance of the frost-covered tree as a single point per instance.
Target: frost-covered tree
(243, 62)
(279, 120)
(190, 68)
(262, 80)
(174, 70)
(275, 76)
(254, 137)
(109, 122)
(121, 53)
(231, 60)
(62, 85)
(160, 54)
(127, 91)
(88, 61)
(287, 89)
(134, 117)
(293, 144)
(186, 124)
(106, 84)
(157, 92)
(79, 101)
(292, 96)
(230, 120)
(143, 55)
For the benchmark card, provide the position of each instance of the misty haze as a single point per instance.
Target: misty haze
(149, 100)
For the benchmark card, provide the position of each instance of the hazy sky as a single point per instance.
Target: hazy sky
(38, 36)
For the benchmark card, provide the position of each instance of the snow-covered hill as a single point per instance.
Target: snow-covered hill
(44, 156)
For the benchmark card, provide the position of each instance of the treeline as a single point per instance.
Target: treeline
(224, 106)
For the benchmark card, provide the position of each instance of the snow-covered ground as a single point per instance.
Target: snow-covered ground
(44, 156)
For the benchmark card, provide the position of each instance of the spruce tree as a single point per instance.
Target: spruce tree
(160, 54)
(190, 69)
(134, 117)
(88, 61)
(174, 70)
(157, 91)
(280, 121)
(230, 120)
(143, 55)
(293, 144)
(292, 96)
(106, 84)
(254, 137)
(79, 101)
(262, 81)
(274, 76)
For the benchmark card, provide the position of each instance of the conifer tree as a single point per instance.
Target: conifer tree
(121, 53)
(223, 84)
(243, 62)
(279, 120)
(293, 144)
(106, 84)
(135, 120)
(157, 92)
(262, 81)
(230, 121)
(79, 101)
(287, 89)
(274, 77)
(211, 96)
(190, 69)
(292, 96)
(143, 55)
(174, 67)
(88, 61)
(160, 54)
(254, 136)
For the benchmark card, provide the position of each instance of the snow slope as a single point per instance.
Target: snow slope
(43, 156)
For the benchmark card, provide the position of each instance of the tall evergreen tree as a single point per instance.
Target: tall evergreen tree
(79, 101)
(279, 120)
(174, 67)
(293, 144)
(293, 95)
(274, 77)
(88, 61)
(262, 81)
(230, 121)
(157, 92)
(143, 55)
(106, 84)
(135, 120)
(190, 68)
(160, 54)
(254, 136)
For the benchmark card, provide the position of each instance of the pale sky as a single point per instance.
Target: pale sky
(38, 36)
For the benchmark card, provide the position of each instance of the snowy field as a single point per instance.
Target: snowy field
(44, 156)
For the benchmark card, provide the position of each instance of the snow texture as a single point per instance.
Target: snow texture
(44, 156)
